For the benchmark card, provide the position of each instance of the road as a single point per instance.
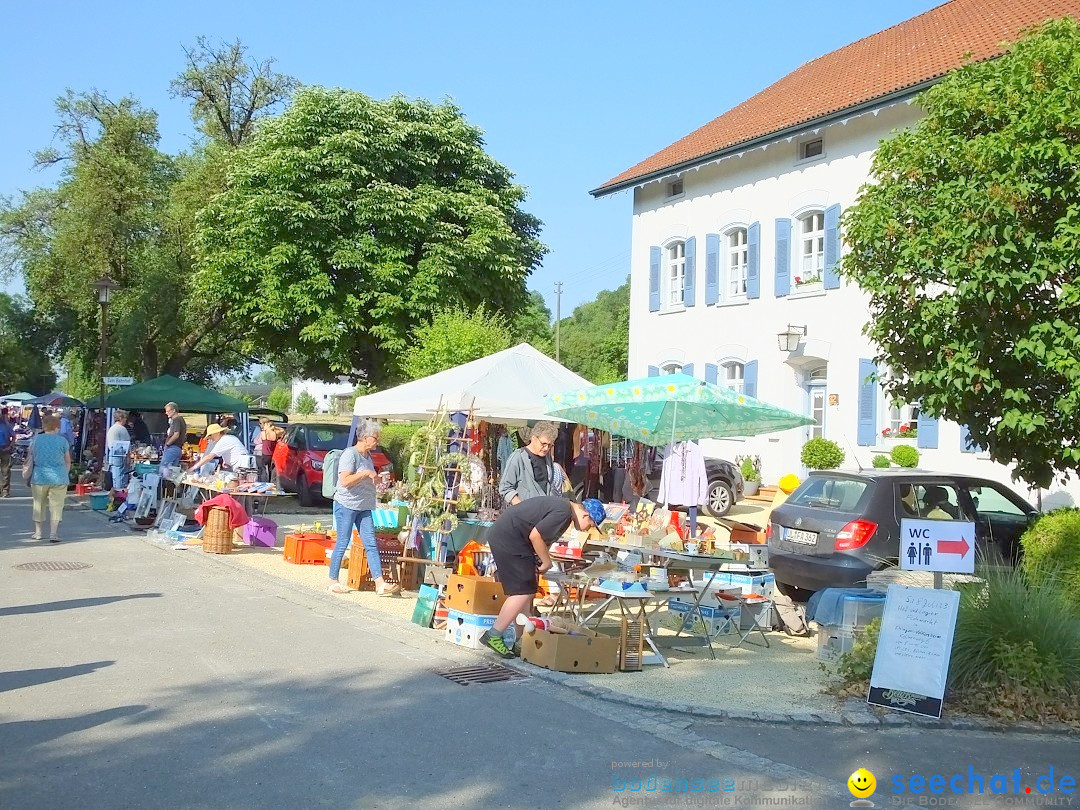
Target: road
(158, 678)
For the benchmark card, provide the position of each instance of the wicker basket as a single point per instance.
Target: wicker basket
(217, 535)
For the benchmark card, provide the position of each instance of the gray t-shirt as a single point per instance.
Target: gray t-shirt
(361, 495)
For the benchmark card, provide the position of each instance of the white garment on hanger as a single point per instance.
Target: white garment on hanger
(683, 479)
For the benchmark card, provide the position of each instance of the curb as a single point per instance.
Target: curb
(853, 713)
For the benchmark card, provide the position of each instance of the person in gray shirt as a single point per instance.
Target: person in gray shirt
(354, 501)
(530, 470)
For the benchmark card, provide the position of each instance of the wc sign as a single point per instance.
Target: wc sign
(937, 545)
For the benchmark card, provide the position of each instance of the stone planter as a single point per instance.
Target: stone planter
(751, 488)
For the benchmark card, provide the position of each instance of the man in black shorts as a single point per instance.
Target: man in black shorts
(519, 543)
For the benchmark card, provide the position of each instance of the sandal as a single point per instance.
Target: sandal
(54, 539)
(337, 587)
(392, 590)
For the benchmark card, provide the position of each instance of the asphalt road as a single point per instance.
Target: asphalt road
(158, 678)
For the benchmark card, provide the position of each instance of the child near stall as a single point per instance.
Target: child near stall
(519, 543)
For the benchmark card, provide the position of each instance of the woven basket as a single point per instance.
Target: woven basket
(217, 536)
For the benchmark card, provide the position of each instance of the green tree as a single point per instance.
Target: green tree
(24, 348)
(280, 399)
(532, 325)
(967, 240)
(453, 337)
(305, 403)
(80, 381)
(594, 340)
(348, 222)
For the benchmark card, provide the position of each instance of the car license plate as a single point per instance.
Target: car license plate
(803, 537)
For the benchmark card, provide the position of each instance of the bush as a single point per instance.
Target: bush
(1016, 651)
(305, 403)
(905, 456)
(881, 462)
(857, 664)
(280, 399)
(395, 441)
(1052, 549)
(750, 467)
(822, 454)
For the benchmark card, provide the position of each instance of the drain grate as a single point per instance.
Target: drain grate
(52, 565)
(472, 676)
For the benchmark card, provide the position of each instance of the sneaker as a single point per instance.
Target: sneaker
(495, 642)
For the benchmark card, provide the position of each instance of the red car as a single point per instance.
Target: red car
(298, 458)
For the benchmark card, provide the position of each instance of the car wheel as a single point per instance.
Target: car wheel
(794, 593)
(304, 491)
(719, 499)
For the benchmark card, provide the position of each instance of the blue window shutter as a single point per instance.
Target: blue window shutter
(688, 369)
(832, 247)
(928, 432)
(965, 440)
(654, 279)
(712, 268)
(691, 271)
(783, 257)
(867, 421)
(711, 373)
(753, 260)
(750, 379)
(654, 371)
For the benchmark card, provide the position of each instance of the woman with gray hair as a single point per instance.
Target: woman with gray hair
(354, 501)
(530, 470)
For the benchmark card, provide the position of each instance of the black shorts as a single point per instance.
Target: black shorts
(517, 572)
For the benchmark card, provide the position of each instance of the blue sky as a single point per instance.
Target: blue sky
(569, 94)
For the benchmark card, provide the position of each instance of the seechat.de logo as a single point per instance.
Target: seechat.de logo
(862, 785)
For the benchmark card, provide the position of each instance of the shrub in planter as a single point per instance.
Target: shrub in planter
(881, 462)
(1052, 549)
(905, 456)
(857, 664)
(822, 454)
(1016, 650)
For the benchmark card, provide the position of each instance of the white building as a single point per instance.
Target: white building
(325, 394)
(735, 239)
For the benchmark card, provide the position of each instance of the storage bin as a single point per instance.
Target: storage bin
(833, 641)
(307, 549)
(99, 501)
(144, 468)
(860, 610)
(261, 531)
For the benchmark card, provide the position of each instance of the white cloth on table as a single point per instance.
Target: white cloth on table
(683, 479)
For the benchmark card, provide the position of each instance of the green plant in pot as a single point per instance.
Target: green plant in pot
(750, 467)
(466, 503)
(822, 454)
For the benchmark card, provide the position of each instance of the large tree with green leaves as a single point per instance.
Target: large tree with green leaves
(348, 222)
(594, 341)
(25, 344)
(968, 243)
(453, 337)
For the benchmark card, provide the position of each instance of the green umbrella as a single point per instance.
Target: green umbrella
(662, 410)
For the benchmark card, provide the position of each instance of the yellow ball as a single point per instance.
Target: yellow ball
(788, 483)
(862, 783)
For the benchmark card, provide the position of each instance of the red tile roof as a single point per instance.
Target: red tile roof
(898, 58)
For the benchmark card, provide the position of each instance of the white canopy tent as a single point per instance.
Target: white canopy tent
(508, 386)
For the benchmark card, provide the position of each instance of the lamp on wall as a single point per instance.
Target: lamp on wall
(788, 340)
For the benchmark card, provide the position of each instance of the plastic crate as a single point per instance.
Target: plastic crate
(833, 641)
(307, 549)
(860, 610)
(99, 501)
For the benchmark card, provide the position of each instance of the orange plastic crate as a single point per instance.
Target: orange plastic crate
(307, 549)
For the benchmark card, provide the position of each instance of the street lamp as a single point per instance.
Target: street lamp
(788, 340)
(104, 287)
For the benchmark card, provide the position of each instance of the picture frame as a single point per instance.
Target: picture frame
(166, 513)
(146, 503)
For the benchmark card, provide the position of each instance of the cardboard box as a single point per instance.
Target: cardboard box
(465, 629)
(744, 532)
(759, 583)
(589, 652)
(679, 615)
(478, 595)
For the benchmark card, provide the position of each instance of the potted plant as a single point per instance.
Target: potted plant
(750, 467)
(822, 454)
(905, 434)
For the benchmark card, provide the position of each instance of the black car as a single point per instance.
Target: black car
(837, 527)
(725, 486)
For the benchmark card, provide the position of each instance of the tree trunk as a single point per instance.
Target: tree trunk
(149, 361)
(185, 350)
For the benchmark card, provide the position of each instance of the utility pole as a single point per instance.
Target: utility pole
(558, 316)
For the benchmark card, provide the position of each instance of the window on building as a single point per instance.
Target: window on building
(731, 375)
(736, 264)
(676, 274)
(811, 265)
(902, 418)
(671, 368)
(809, 150)
(675, 188)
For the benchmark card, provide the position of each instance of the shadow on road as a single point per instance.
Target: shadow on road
(70, 604)
(19, 679)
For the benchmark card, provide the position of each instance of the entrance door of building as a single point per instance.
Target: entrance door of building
(816, 400)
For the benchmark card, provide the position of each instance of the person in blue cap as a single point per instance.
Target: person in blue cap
(519, 542)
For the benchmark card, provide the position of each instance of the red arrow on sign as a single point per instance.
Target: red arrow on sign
(960, 546)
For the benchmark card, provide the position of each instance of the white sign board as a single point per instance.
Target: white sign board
(118, 380)
(914, 647)
(937, 545)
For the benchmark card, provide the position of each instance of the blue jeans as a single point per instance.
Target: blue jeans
(170, 456)
(119, 476)
(344, 520)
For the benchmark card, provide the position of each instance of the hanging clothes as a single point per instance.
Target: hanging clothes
(683, 479)
(503, 451)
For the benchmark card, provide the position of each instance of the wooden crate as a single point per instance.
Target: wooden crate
(390, 550)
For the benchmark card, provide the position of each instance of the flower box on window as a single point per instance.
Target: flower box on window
(905, 435)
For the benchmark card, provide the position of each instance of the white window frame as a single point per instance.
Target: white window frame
(673, 189)
(901, 414)
(800, 149)
(807, 235)
(673, 272)
(735, 274)
(731, 373)
(670, 367)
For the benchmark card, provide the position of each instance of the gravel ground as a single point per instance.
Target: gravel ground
(786, 677)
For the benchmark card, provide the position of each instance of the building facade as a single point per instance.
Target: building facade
(734, 249)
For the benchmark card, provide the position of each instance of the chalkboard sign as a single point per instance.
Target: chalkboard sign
(914, 647)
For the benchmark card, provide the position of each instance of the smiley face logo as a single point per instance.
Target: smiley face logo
(862, 783)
